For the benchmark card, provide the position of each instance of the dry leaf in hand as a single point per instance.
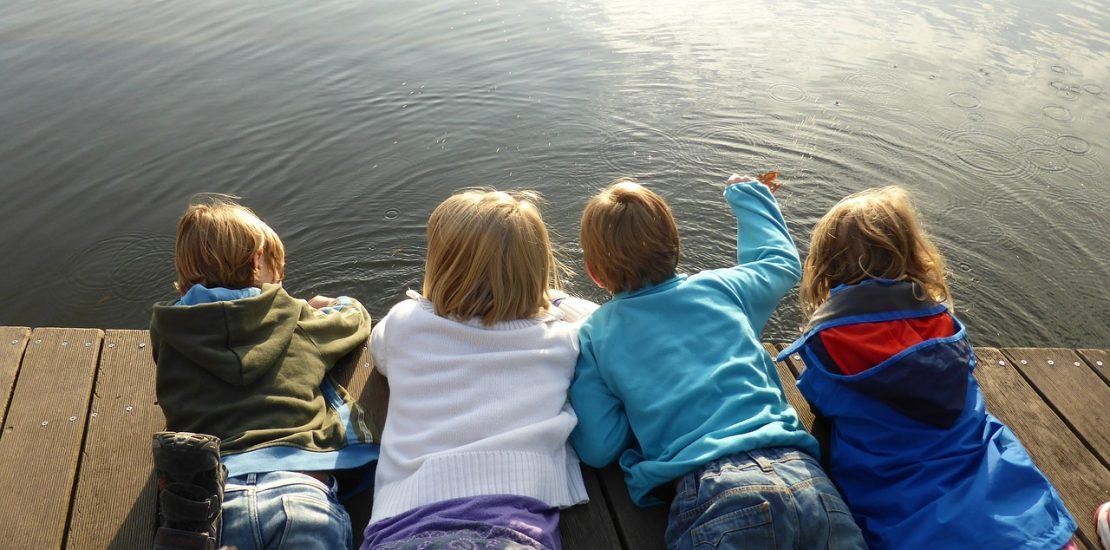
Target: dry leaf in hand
(768, 179)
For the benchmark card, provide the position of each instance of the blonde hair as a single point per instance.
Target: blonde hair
(489, 256)
(217, 240)
(629, 237)
(872, 234)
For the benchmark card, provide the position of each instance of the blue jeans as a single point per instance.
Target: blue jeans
(283, 510)
(766, 498)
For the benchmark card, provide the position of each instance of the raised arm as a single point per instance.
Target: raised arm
(767, 260)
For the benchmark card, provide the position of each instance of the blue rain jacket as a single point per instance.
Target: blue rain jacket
(919, 460)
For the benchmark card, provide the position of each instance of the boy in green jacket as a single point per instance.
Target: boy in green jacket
(246, 364)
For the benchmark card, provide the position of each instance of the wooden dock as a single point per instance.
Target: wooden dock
(77, 408)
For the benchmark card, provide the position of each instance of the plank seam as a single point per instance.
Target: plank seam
(1078, 435)
(1090, 364)
(612, 512)
(84, 439)
(15, 380)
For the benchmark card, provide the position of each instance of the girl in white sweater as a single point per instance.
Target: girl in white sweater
(475, 441)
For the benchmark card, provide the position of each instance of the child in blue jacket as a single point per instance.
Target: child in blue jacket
(673, 380)
(916, 455)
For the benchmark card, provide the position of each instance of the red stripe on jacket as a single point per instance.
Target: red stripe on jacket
(856, 348)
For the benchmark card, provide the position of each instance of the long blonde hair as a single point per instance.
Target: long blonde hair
(490, 256)
(872, 234)
(217, 241)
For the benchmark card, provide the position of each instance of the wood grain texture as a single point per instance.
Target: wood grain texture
(789, 371)
(43, 433)
(13, 341)
(1080, 478)
(369, 389)
(639, 528)
(589, 526)
(790, 388)
(1072, 389)
(366, 386)
(115, 503)
(1097, 359)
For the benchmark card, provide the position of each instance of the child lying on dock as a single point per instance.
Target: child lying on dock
(242, 377)
(474, 450)
(673, 380)
(920, 461)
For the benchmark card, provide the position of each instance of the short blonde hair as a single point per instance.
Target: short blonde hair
(629, 237)
(217, 240)
(872, 234)
(490, 257)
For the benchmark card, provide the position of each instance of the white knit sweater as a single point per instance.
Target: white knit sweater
(476, 410)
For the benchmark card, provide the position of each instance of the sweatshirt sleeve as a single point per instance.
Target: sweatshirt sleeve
(339, 329)
(575, 310)
(767, 260)
(603, 432)
(377, 346)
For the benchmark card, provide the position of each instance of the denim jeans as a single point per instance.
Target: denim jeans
(282, 510)
(766, 498)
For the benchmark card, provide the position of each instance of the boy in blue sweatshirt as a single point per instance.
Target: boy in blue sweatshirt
(673, 380)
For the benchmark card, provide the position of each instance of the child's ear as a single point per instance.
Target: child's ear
(593, 277)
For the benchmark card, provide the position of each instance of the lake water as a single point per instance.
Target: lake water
(343, 124)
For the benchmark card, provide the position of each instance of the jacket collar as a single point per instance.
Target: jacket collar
(870, 300)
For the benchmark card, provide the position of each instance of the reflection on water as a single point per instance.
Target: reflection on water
(344, 123)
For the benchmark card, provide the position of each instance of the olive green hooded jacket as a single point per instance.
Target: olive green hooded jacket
(253, 371)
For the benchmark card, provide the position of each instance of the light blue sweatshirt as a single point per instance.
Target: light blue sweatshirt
(673, 376)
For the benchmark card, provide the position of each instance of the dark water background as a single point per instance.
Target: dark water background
(343, 123)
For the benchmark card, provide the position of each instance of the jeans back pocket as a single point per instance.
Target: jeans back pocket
(749, 527)
(844, 534)
(314, 523)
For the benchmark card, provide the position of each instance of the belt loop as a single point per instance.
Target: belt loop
(252, 479)
(764, 464)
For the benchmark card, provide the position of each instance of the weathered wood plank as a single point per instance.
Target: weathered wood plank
(589, 526)
(1072, 389)
(639, 528)
(115, 503)
(1097, 359)
(790, 388)
(13, 340)
(356, 373)
(789, 371)
(43, 433)
(1079, 476)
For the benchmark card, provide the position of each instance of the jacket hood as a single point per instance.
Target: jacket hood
(238, 340)
(926, 381)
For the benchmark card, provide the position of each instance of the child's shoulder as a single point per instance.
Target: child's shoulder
(413, 304)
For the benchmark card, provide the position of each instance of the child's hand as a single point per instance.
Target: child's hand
(767, 179)
(735, 178)
(320, 302)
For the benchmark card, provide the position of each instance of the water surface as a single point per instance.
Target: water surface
(343, 123)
